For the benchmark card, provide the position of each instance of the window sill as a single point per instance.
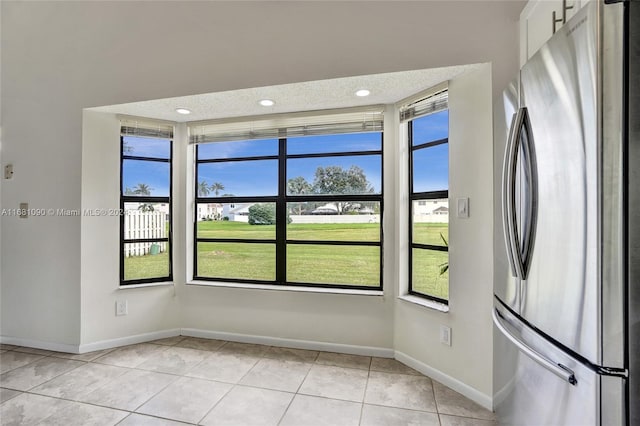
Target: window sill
(425, 302)
(300, 289)
(158, 284)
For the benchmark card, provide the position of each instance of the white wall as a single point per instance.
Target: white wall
(469, 359)
(61, 57)
(150, 309)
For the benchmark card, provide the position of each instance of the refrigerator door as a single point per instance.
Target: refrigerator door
(536, 383)
(559, 89)
(506, 286)
(633, 214)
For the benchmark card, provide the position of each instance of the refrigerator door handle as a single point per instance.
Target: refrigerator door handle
(508, 195)
(558, 369)
(530, 170)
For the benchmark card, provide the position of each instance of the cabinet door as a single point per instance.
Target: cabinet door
(537, 26)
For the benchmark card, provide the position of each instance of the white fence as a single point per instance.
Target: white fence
(139, 224)
(430, 218)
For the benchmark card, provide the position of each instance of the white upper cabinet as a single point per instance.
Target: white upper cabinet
(540, 19)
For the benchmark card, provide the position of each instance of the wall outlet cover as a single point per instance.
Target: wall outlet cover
(445, 335)
(122, 307)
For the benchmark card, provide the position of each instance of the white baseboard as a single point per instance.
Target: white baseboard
(475, 395)
(291, 343)
(128, 340)
(39, 344)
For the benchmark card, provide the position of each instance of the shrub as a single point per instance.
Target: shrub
(262, 214)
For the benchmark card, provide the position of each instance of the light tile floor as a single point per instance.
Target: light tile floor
(186, 380)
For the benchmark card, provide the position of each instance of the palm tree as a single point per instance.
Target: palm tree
(145, 207)
(203, 189)
(216, 187)
(142, 189)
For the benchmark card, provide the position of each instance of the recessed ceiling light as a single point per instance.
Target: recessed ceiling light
(267, 102)
(183, 111)
(362, 92)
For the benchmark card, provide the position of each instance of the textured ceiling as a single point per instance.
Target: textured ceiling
(307, 96)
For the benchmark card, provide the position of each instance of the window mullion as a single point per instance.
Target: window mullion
(281, 214)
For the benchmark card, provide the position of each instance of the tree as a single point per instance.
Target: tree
(216, 187)
(299, 186)
(145, 207)
(337, 180)
(145, 190)
(203, 189)
(262, 214)
(142, 189)
(126, 148)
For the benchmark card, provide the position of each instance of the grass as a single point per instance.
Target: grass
(349, 265)
(148, 266)
(427, 278)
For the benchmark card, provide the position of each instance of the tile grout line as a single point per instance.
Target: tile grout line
(364, 396)
(216, 404)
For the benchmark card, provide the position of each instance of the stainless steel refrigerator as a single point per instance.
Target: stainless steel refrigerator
(567, 241)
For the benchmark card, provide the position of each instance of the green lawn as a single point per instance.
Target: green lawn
(427, 278)
(429, 233)
(352, 265)
(310, 231)
(148, 266)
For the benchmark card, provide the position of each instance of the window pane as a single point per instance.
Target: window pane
(146, 220)
(357, 221)
(346, 265)
(237, 260)
(335, 175)
(237, 149)
(431, 222)
(239, 178)
(431, 127)
(429, 274)
(146, 260)
(145, 178)
(431, 169)
(335, 143)
(146, 147)
(238, 220)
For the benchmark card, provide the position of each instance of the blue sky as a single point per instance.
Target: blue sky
(256, 178)
(431, 165)
(431, 127)
(260, 177)
(153, 174)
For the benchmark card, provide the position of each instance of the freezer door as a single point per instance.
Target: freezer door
(560, 293)
(535, 383)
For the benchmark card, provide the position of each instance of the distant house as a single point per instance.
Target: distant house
(329, 208)
(211, 211)
(441, 210)
(236, 212)
(431, 211)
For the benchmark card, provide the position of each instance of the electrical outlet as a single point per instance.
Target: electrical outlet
(8, 171)
(445, 335)
(122, 307)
